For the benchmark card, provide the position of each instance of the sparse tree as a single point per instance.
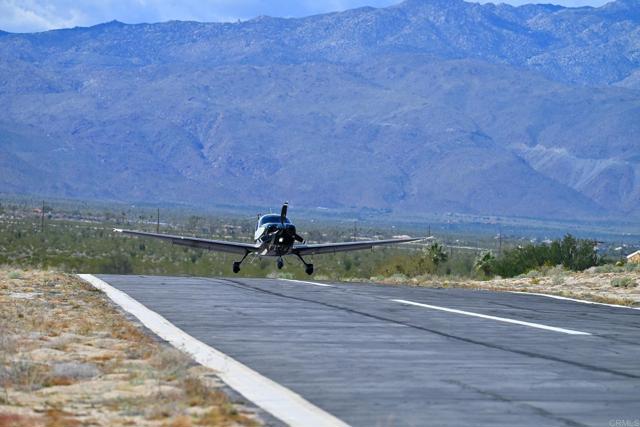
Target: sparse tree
(485, 264)
(437, 254)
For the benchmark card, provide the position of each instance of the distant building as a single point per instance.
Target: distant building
(634, 257)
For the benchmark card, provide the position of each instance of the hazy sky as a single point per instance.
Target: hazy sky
(40, 15)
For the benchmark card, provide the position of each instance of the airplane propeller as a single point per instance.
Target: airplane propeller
(283, 212)
(285, 228)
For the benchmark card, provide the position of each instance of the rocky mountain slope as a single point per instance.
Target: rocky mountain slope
(426, 106)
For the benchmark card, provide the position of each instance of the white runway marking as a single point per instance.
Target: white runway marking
(499, 319)
(309, 283)
(574, 300)
(279, 401)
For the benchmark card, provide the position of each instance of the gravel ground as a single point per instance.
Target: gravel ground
(69, 358)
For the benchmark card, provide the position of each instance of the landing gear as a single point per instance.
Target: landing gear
(236, 264)
(308, 268)
(280, 263)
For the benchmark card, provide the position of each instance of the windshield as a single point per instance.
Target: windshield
(271, 219)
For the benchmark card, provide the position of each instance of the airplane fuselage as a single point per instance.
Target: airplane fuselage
(275, 235)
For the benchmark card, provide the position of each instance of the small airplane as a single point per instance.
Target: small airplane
(275, 236)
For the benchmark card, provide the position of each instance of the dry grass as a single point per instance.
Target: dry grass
(56, 417)
(68, 357)
(17, 420)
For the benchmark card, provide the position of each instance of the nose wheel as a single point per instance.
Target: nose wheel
(280, 263)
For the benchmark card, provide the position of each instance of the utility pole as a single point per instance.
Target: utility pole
(158, 223)
(42, 218)
(429, 232)
(355, 230)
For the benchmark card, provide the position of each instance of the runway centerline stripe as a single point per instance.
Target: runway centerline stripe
(499, 319)
(309, 283)
(573, 299)
(279, 401)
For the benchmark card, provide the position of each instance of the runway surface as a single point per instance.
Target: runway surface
(375, 355)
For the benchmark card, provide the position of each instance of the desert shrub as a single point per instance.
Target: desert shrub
(26, 375)
(170, 362)
(199, 394)
(557, 270)
(631, 267)
(623, 282)
(557, 280)
(15, 275)
(115, 264)
(606, 268)
(75, 370)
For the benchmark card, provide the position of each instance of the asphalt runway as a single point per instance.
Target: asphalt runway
(442, 357)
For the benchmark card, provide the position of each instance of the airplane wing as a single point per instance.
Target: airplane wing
(329, 248)
(194, 242)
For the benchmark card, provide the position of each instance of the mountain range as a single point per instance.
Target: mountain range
(427, 106)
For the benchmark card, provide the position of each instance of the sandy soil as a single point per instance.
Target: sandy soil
(68, 357)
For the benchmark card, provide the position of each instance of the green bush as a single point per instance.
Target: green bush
(116, 264)
(623, 282)
(486, 264)
(607, 268)
(15, 275)
(630, 266)
(570, 253)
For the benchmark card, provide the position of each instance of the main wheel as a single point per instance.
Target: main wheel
(236, 267)
(309, 269)
(280, 263)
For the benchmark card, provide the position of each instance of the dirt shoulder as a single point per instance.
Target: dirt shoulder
(608, 285)
(69, 357)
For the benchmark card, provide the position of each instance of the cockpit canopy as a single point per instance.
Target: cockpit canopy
(271, 219)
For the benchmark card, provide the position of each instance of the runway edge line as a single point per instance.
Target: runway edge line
(282, 403)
